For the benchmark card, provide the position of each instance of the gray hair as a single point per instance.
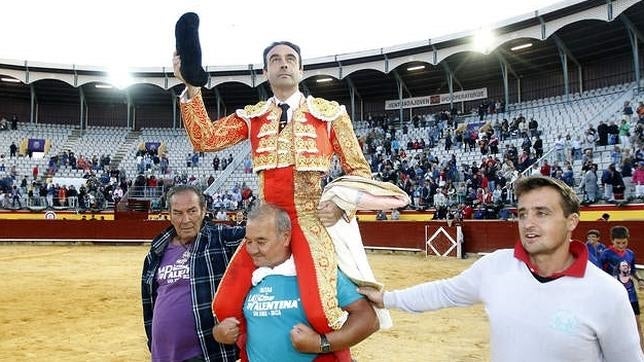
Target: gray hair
(263, 210)
(178, 189)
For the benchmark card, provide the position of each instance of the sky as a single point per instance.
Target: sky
(140, 33)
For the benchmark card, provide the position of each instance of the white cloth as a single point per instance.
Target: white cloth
(355, 193)
(568, 319)
(287, 268)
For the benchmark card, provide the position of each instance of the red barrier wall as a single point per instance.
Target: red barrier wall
(143, 230)
(480, 236)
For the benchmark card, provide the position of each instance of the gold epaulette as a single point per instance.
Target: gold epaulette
(255, 110)
(323, 109)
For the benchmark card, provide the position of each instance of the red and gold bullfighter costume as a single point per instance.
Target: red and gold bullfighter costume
(289, 165)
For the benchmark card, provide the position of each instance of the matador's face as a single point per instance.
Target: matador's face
(283, 69)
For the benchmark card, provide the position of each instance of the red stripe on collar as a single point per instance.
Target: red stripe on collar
(576, 269)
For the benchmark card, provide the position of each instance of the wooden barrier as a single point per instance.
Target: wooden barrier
(479, 236)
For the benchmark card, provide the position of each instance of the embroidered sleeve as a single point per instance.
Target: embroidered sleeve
(207, 135)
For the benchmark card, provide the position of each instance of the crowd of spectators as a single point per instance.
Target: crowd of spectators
(480, 189)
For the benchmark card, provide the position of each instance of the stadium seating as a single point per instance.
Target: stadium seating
(556, 116)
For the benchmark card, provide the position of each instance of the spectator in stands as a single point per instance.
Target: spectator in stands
(538, 147)
(246, 195)
(522, 127)
(215, 163)
(607, 183)
(147, 163)
(625, 133)
(13, 172)
(617, 183)
(248, 165)
(494, 144)
(13, 149)
(482, 111)
(545, 169)
(590, 137)
(505, 129)
(62, 196)
(117, 195)
(533, 126)
(395, 214)
(638, 180)
(164, 163)
(297, 177)
(544, 256)
(381, 215)
(448, 141)
(602, 133)
(616, 155)
(15, 197)
(210, 180)
(587, 159)
(4, 125)
(568, 176)
(613, 133)
(497, 195)
(151, 186)
(14, 122)
(589, 184)
(640, 112)
(627, 111)
(72, 161)
(180, 273)
(440, 199)
(526, 144)
(560, 149)
(218, 203)
(221, 215)
(576, 148)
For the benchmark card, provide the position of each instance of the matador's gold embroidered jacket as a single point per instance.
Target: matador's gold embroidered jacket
(318, 129)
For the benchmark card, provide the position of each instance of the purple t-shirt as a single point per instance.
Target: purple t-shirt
(174, 336)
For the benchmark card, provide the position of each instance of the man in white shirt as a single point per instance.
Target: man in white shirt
(544, 300)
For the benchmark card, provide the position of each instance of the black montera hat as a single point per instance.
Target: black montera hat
(186, 32)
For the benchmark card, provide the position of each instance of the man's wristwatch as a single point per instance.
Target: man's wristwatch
(325, 346)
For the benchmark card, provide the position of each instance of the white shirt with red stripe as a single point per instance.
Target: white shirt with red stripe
(581, 315)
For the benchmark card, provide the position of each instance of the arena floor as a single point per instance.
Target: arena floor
(82, 303)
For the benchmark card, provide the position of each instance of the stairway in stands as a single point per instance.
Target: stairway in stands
(72, 140)
(131, 141)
